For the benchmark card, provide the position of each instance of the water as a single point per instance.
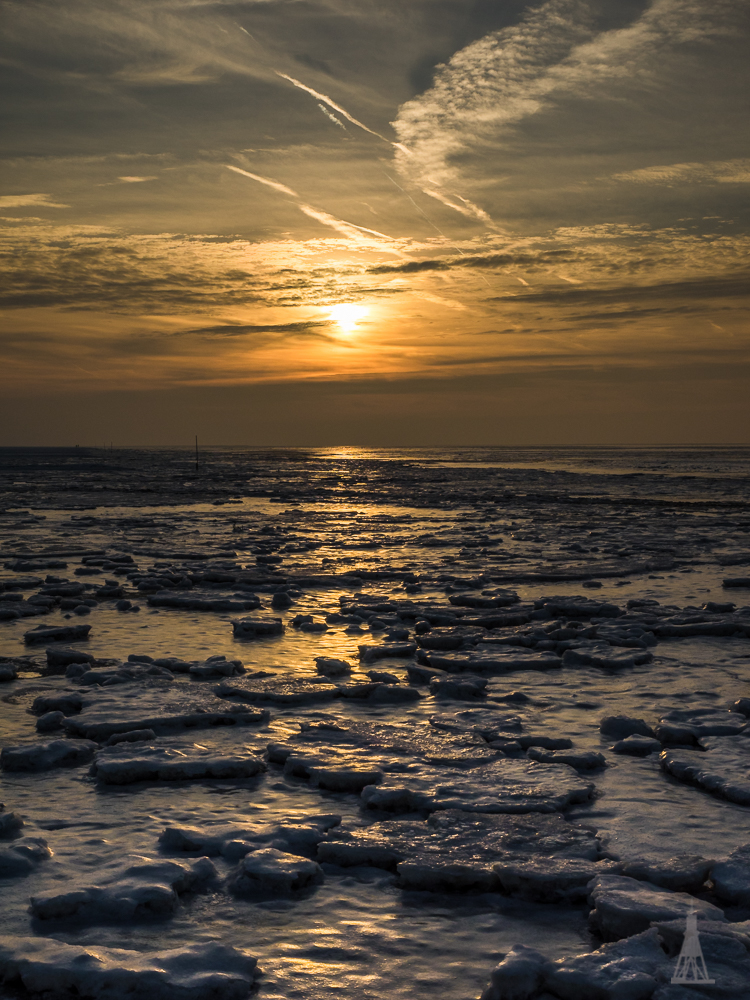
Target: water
(650, 523)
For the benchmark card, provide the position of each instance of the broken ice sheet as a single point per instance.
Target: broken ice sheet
(133, 888)
(458, 850)
(505, 786)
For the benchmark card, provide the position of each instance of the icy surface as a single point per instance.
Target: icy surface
(625, 906)
(134, 888)
(508, 786)
(197, 972)
(515, 620)
(721, 770)
(273, 872)
(124, 764)
(455, 850)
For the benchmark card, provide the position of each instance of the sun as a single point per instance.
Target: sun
(347, 315)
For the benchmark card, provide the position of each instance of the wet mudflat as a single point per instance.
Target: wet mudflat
(359, 723)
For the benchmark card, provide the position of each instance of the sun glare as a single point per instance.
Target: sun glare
(347, 316)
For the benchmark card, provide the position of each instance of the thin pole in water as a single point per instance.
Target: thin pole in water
(196, 452)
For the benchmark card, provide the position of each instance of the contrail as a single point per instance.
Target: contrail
(471, 210)
(333, 118)
(264, 180)
(348, 229)
(333, 105)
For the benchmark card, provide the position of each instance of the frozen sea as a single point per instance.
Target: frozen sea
(506, 599)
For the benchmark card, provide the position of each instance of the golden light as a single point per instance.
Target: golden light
(347, 316)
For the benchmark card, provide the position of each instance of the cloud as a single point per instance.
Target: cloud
(492, 83)
(713, 172)
(23, 200)
(735, 286)
(584, 87)
(245, 330)
(136, 180)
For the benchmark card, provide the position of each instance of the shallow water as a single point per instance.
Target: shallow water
(661, 524)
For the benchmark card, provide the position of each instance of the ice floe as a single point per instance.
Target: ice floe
(505, 786)
(205, 971)
(125, 764)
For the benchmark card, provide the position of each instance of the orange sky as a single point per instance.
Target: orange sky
(504, 224)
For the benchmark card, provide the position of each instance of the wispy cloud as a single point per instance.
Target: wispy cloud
(713, 172)
(467, 124)
(253, 329)
(136, 180)
(24, 200)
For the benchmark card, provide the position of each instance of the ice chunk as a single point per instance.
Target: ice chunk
(100, 727)
(334, 770)
(494, 660)
(59, 659)
(489, 599)
(217, 666)
(463, 688)
(625, 970)
(328, 666)
(376, 691)
(198, 972)
(707, 721)
(370, 654)
(67, 703)
(234, 842)
(636, 746)
(257, 628)
(450, 638)
(271, 872)
(382, 677)
(551, 880)
(576, 607)
(518, 977)
(381, 741)
(48, 722)
(45, 756)
(731, 877)
(131, 889)
(683, 873)
(127, 763)
(276, 692)
(60, 633)
(10, 822)
(136, 736)
(459, 850)
(23, 856)
(625, 906)
(506, 786)
(183, 602)
(621, 726)
(488, 724)
(601, 654)
(581, 760)
(722, 770)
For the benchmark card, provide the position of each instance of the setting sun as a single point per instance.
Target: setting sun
(347, 316)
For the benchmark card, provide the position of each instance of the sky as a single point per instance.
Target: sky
(374, 222)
